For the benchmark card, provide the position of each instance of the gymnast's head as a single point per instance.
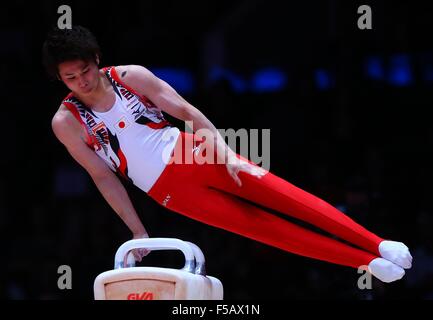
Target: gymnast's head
(72, 56)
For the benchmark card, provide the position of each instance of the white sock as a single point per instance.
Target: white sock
(396, 252)
(385, 270)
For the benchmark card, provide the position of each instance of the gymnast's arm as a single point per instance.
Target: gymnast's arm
(71, 134)
(168, 100)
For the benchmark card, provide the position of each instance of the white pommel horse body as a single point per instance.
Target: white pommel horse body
(128, 282)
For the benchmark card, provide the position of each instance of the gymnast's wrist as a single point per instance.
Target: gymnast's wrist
(140, 235)
(231, 158)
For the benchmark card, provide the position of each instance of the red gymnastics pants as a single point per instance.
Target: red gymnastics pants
(207, 193)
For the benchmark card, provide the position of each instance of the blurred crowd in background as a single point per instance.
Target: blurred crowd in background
(348, 112)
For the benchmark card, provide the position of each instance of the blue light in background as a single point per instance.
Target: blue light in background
(238, 84)
(400, 73)
(374, 68)
(268, 80)
(181, 80)
(324, 79)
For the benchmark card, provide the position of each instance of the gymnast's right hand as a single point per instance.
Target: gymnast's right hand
(141, 252)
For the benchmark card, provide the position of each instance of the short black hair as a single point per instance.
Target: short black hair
(62, 45)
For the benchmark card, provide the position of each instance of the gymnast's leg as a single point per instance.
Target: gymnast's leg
(275, 193)
(184, 192)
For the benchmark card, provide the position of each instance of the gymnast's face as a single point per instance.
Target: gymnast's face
(79, 76)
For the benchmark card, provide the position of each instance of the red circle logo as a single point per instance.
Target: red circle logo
(121, 124)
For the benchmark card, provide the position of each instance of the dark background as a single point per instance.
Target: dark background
(350, 123)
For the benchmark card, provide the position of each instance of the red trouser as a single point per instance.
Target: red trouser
(207, 193)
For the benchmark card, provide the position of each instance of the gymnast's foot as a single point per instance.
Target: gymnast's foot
(385, 270)
(396, 252)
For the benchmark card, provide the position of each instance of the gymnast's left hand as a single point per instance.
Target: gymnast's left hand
(235, 165)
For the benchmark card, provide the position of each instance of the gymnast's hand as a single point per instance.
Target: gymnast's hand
(141, 252)
(235, 165)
